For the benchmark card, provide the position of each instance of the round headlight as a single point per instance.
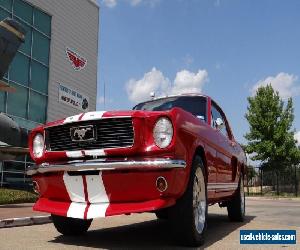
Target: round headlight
(38, 145)
(163, 132)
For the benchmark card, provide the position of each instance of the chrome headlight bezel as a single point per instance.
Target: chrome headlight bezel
(38, 145)
(163, 132)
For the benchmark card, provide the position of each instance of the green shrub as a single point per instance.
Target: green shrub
(13, 196)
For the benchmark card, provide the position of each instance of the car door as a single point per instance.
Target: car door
(223, 148)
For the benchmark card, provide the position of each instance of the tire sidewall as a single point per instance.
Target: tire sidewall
(242, 197)
(198, 163)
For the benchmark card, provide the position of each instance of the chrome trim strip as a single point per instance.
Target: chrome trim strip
(218, 186)
(77, 166)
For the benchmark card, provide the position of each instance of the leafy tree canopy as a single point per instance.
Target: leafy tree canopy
(271, 137)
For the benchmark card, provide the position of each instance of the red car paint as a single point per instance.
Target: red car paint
(128, 191)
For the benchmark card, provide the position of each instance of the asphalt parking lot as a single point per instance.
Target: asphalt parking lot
(144, 231)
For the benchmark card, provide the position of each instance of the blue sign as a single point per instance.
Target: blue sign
(267, 236)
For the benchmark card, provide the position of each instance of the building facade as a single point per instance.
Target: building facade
(55, 71)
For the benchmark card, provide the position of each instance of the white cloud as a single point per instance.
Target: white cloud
(110, 3)
(152, 3)
(113, 3)
(154, 81)
(189, 82)
(135, 2)
(297, 137)
(286, 84)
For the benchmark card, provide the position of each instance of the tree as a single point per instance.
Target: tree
(271, 138)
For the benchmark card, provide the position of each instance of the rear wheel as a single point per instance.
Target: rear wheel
(236, 207)
(70, 226)
(188, 216)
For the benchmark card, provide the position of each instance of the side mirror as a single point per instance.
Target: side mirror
(201, 117)
(219, 123)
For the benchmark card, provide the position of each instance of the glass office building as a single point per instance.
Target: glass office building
(35, 100)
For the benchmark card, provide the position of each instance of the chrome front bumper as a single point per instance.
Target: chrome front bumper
(102, 165)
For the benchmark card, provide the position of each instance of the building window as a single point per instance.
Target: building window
(17, 102)
(28, 74)
(29, 71)
(39, 77)
(2, 101)
(37, 104)
(19, 70)
(7, 4)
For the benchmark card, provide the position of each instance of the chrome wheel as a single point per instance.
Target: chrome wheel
(188, 216)
(199, 200)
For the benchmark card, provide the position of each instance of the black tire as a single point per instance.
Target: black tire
(162, 214)
(183, 216)
(236, 207)
(70, 226)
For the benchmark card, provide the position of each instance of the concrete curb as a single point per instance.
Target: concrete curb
(273, 198)
(25, 221)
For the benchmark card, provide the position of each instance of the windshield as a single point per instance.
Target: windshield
(193, 104)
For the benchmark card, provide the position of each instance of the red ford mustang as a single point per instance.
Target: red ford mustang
(173, 156)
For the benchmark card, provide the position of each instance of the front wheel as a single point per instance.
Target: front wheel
(188, 217)
(70, 226)
(236, 207)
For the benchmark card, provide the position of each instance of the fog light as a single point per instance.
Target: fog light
(36, 187)
(161, 184)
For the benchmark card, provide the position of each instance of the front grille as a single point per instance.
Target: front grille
(109, 133)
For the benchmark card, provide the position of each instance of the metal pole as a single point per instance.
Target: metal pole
(261, 181)
(247, 183)
(24, 175)
(296, 186)
(1, 165)
(104, 95)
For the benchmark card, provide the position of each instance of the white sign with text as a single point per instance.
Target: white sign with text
(73, 98)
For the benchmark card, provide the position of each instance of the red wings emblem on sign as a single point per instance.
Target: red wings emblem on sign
(77, 61)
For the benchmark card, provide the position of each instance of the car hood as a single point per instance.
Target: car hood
(95, 115)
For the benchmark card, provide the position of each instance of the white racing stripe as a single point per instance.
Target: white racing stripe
(84, 116)
(75, 189)
(73, 118)
(97, 196)
(96, 189)
(74, 186)
(94, 152)
(97, 210)
(76, 210)
(74, 154)
(92, 115)
(79, 153)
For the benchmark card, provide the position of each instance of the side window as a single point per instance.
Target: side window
(215, 114)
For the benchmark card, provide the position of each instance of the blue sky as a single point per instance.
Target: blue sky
(223, 48)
